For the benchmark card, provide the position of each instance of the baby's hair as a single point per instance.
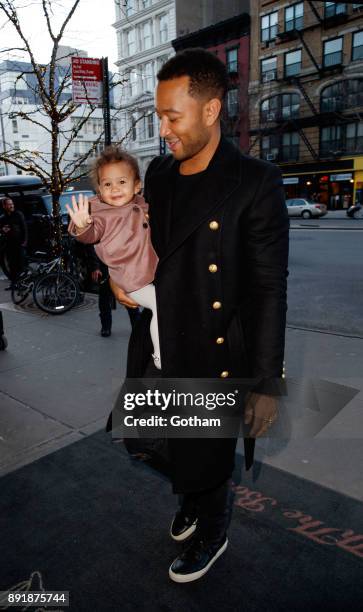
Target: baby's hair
(110, 155)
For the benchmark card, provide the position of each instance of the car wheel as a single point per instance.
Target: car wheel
(306, 214)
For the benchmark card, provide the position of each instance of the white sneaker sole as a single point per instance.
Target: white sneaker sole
(183, 578)
(186, 534)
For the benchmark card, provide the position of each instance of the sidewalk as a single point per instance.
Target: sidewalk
(59, 378)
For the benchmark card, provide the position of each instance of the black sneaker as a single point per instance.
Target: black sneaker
(196, 560)
(183, 526)
(105, 332)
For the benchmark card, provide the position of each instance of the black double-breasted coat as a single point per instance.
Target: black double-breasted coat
(221, 290)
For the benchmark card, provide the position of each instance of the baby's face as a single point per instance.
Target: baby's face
(117, 184)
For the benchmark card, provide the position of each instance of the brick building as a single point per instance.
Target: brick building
(230, 41)
(306, 96)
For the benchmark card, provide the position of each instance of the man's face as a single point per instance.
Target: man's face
(182, 120)
(8, 206)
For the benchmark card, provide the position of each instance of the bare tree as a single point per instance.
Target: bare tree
(50, 85)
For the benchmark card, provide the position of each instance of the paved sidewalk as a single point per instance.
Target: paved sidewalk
(59, 378)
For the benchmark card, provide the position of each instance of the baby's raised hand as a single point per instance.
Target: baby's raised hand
(80, 213)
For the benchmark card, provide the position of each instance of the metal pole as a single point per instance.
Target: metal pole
(106, 102)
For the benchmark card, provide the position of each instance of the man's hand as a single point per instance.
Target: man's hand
(121, 296)
(261, 411)
(80, 212)
(96, 276)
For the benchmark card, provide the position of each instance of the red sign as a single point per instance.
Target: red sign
(86, 80)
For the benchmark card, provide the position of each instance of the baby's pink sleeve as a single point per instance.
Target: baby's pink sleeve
(90, 234)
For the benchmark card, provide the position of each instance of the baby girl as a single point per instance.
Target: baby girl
(116, 222)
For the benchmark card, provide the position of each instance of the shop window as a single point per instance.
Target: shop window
(357, 46)
(269, 26)
(333, 52)
(294, 17)
(292, 63)
(269, 69)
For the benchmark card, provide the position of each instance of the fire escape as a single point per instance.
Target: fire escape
(296, 31)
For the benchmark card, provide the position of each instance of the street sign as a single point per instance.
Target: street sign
(87, 80)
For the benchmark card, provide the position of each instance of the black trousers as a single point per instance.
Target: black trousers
(107, 303)
(213, 507)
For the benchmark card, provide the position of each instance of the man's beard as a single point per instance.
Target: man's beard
(193, 148)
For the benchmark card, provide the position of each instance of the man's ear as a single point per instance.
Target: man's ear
(212, 111)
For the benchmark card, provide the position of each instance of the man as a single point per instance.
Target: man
(13, 227)
(220, 228)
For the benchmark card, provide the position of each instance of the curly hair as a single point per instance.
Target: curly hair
(208, 75)
(111, 155)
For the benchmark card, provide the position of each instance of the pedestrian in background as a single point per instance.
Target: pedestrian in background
(15, 232)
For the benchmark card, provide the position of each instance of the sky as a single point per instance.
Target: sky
(90, 29)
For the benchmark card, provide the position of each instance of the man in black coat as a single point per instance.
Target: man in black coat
(14, 230)
(220, 227)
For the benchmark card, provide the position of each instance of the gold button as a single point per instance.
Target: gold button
(217, 305)
(147, 215)
(214, 225)
(220, 340)
(213, 268)
(283, 376)
(224, 374)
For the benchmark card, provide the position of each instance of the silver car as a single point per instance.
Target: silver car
(301, 207)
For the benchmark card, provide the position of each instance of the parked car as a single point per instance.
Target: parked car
(301, 207)
(35, 202)
(355, 211)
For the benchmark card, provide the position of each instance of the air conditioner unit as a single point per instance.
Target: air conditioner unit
(271, 116)
(270, 75)
(271, 156)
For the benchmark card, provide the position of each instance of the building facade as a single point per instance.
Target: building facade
(145, 30)
(230, 41)
(306, 96)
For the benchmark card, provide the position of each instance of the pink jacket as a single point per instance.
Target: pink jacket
(122, 234)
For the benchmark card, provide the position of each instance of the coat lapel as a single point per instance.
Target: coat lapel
(220, 180)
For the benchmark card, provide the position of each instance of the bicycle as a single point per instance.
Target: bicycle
(54, 290)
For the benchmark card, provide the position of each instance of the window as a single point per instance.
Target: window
(290, 107)
(278, 147)
(333, 52)
(150, 125)
(232, 103)
(282, 106)
(269, 25)
(133, 82)
(292, 63)
(269, 109)
(331, 140)
(357, 50)
(354, 138)
(270, 147)
(147, 77)
(269, 69)
(357, 5)
(146, 36)
(334, 8)
(342, 95)
(294, 17)
(130, 8)
(145, 4)
(133, 120)
(131, 42)
(290, 147)
(232, 60)
(163, 28)
(15, 126)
